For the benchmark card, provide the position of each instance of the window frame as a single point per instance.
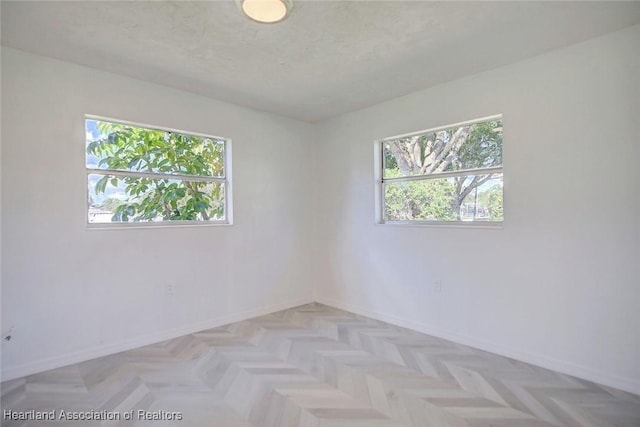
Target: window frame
(381, 181)
(225, 180)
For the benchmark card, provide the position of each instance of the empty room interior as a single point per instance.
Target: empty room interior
(279, 213)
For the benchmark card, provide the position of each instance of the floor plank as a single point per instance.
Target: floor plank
(316, 366)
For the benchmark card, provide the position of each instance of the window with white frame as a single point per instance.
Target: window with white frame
(446, 175)
(141, 175)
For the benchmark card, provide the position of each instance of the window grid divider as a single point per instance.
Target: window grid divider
(155, 175)
(465, 172)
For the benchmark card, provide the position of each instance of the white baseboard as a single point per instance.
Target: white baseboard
(107, 349)
(563, 366)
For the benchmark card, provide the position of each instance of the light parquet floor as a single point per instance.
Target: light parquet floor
(316, 366)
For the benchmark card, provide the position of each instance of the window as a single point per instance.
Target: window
(449, 175)
(140, 175)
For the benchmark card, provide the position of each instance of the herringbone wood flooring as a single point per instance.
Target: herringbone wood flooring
(317, 366)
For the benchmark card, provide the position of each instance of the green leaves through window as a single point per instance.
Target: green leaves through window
(143, 175)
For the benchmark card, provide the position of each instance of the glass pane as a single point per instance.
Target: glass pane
(483, 202)
(125, 147)
(464, 198)
(135, 199)
(478, 145)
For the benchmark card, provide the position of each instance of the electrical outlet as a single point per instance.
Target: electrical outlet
(437, 285)
(170, 289)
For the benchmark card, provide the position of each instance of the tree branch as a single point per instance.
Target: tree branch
(404, 159)
(452, 146)
(476, 182)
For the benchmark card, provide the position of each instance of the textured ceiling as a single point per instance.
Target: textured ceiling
(327, 58)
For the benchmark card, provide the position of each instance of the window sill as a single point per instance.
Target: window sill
(444, 224)
(156, 225)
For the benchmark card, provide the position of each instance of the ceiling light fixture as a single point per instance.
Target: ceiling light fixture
(266, 11)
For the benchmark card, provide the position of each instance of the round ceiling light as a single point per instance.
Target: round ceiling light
(266, 11)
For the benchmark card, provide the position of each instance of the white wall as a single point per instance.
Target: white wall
(559, 284)
(73, 293)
